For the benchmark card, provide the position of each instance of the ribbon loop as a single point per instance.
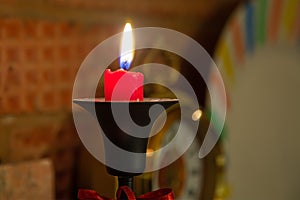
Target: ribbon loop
(125, 193)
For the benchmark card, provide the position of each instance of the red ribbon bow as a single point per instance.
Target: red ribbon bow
(161, 194)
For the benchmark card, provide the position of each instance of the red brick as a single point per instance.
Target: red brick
(48, 54)
(9, 1)
(12, 54)
(66, 74)
(83, 49)
(1, 50)
(13, 77)
(30, 29)
(31, 54)
(49, 75)
(31, 77)
(66, 98)
(1, 105)
(30, 99)
(65, 30)
(1, 29)
(12, 104)
(1, 81)
(48, 30)
(11, 29)
(48, 101)
(64, 53)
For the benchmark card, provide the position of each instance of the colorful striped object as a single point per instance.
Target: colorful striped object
(254, 25)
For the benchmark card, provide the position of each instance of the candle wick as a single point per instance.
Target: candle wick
(125, 65)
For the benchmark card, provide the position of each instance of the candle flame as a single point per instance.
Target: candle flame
(127, 46)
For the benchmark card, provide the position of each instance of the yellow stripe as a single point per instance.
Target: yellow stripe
(289, 16)
(226, 60)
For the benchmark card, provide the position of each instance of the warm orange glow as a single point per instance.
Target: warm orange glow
(197, 115)
(149, 152)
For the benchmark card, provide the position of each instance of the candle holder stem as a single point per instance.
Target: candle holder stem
(125, 181)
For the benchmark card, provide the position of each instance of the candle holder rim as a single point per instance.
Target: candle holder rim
(146, 100)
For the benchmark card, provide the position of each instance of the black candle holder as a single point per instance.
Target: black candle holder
(139, 113)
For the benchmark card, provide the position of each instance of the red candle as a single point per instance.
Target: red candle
(128, 85)
(122, 85)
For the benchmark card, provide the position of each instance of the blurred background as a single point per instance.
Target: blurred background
(255, 45)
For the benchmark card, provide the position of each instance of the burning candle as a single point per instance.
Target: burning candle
(128, 86)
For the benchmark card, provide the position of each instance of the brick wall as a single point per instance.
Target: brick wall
(38, 62)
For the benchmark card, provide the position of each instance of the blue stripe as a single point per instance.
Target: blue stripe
(249, 22)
